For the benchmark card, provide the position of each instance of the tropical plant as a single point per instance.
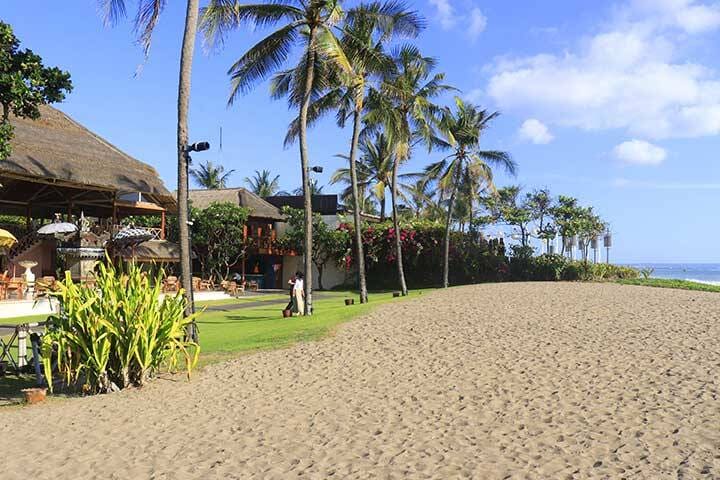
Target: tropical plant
(117, 334)
(25, 84)
(460, 131)
(314, 188)
(402, 107)
(331, 245)
(309, 25)
(210, 176)
(148, 14)
(368, 28)
(263, 183)
(219, 239)
(510, 208)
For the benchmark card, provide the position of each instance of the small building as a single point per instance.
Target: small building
(263, 264)
(59, 167)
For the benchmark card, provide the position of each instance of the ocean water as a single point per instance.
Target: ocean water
(696, 272)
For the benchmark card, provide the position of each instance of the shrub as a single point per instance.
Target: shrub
(118, 334)
(549, 267)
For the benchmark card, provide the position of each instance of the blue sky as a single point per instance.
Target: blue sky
(616, 103)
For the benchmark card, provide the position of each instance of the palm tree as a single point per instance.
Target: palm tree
(210, 176)
(419, 195)
(315, 188)
(374, 170)
(145, 21)
(309, 25)
(461, 132)
(263, 183)
(367, 28)
(402, 106)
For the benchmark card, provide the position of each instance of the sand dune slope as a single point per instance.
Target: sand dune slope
(493, 381)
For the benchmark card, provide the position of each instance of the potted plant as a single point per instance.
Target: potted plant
(349, 301)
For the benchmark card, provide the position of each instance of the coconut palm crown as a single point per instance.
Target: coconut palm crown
(460, 132)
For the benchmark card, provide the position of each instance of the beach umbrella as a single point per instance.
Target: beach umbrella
(57, 227)
(7, 239)
(131, 236)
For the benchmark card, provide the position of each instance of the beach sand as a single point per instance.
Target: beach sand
(541, 380)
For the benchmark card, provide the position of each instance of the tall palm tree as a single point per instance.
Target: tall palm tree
(460, 132)
(308, 24)
(210, 176)
(374, 170)
(402, 106)
(263, 183)
(145, 21)
(367, 29)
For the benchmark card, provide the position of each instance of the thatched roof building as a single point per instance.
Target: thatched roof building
(56, 164)
(242, 197)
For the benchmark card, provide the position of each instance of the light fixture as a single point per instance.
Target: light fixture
(317, 169)
(198, 147)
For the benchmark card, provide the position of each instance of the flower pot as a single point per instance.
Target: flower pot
(396, 294)
(34, 395)
(287, 313)
(349, 301)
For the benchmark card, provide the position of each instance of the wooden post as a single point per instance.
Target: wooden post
(22, 347)
(114, 216)
(162, 225)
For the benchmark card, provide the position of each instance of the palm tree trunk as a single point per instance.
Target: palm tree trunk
(305, 162)
(382, 209)
(359, 254)
(186, 58)
(396, 225)
(448, 223)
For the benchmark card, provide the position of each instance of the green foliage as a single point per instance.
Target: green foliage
(646, 272)
(25, 84)
(218, 238)
(210, 176)
(330, 245)
(117, 334)
(263, 183)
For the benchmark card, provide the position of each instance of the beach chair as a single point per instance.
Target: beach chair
(171, 284)
(16, 286)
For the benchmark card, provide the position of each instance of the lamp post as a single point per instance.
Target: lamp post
(594, 246)
(607, 243)
(195, 147)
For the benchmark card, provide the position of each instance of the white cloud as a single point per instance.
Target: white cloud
(446, 13)
(628, 77)
(535, 131)
(640, 152)
(474, 22)
(478, 22)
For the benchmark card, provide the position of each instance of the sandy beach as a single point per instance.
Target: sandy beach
(497, 381)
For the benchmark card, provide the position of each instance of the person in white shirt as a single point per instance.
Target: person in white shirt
(298, 295)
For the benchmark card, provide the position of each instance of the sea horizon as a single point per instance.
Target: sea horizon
(708, 273)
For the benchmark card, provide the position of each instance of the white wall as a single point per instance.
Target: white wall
(332, 276)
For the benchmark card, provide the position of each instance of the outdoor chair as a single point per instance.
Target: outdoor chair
(170, 284)
(16, 286)
(44, 285)
(197, 283)
(207, 285)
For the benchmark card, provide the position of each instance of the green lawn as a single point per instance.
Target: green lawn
(225, 334)
(671, 283)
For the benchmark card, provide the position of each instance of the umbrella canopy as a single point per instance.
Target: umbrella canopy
(7, 239)
(57, 227)
(131, 236)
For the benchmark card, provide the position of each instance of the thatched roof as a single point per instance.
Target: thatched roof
(242, 197)
(57, 149)
(324, 204)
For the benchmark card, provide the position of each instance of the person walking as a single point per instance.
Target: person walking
(298, 295)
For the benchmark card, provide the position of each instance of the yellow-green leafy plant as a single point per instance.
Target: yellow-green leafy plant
(118, 333)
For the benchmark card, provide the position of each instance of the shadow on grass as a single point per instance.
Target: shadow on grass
(11, 386)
